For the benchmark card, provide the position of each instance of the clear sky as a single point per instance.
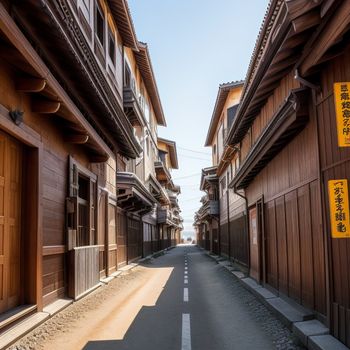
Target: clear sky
(195, 45)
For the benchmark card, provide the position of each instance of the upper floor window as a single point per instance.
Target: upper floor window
(220, 142)
(147, 146)
(162, 156)
(223, 185)
(147, 113)
(100, 25)
(236, 164)
(231, 113)
(86, 4)
(127, 75)
(111, 46)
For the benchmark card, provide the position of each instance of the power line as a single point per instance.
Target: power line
(186, 156)
(186, 177)
(190, 150)
(190, 199)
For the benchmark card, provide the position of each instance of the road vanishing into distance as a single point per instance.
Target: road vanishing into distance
(182, 300)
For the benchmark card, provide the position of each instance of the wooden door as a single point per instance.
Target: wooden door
(121, 237)
(254, 247)
(261, 241)
(101, 232)
(10, 222)
(112, 236)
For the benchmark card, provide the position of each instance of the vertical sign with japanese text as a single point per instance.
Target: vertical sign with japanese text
(339, 208)
(342, 109)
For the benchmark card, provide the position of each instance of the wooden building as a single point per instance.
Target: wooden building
(207, 217)
(71, 138)
(230, 238)
(285, 132)
(169, 218)
(143, 217)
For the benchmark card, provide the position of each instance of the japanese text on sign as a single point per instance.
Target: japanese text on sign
(342, 108)
(339, 208)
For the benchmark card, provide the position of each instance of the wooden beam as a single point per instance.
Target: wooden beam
(297, 8)
(306, 21)
(331, 33)
(30, 84)
(98, 158)
(11, 31)
(79, 139)
(45, 106)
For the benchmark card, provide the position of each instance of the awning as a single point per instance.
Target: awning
(132, 195)
(287, 122)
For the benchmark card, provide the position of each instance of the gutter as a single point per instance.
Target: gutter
(258, 76)
(247, 221)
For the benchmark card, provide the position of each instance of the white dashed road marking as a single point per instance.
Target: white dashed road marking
(186, 332)
(186, 295)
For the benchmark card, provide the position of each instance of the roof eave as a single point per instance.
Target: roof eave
(224, 90)
(144, 63)
(121, 11)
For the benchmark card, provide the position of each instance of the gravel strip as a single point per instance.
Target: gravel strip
(65, 320)
(282, 337)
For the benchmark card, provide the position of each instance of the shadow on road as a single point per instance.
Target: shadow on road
(159, 326)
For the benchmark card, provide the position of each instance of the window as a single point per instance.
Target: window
(236, 164)
(127, 76)
(86, 4)
(220, 147)
(147, 113)
(100, 25)
(231, 113)
(162, 156)
(81, 206)
(223, 185)
(111, 46)
(147, 146)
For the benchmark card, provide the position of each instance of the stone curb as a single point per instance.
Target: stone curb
(313, 334)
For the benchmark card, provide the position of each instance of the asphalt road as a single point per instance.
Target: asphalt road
(198, 307)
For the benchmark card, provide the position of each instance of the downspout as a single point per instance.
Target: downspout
(228, 223)
(247, 220)
(328, 241)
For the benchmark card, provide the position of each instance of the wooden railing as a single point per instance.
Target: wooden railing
(83, 267)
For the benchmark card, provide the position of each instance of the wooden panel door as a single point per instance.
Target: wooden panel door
(112, 237)
(10, 222)
(254, 247)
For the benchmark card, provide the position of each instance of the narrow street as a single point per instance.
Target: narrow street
(182, 300)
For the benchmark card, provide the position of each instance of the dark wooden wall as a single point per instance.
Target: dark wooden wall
(224, 239)
(134, 232)
(295, 259)
(335, 164)
(239, 239)
(295, 254)
(121, 237)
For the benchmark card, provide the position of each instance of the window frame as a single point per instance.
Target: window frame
(99, 10)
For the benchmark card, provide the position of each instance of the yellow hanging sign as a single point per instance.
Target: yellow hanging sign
(339, 208)
(342, 110)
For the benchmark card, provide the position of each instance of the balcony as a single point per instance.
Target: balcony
(164, 216)
(214, 207)
(210, 207)
(162, 173)
(157, 190)
(286, 123)
(132, 107)
(132, 195)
